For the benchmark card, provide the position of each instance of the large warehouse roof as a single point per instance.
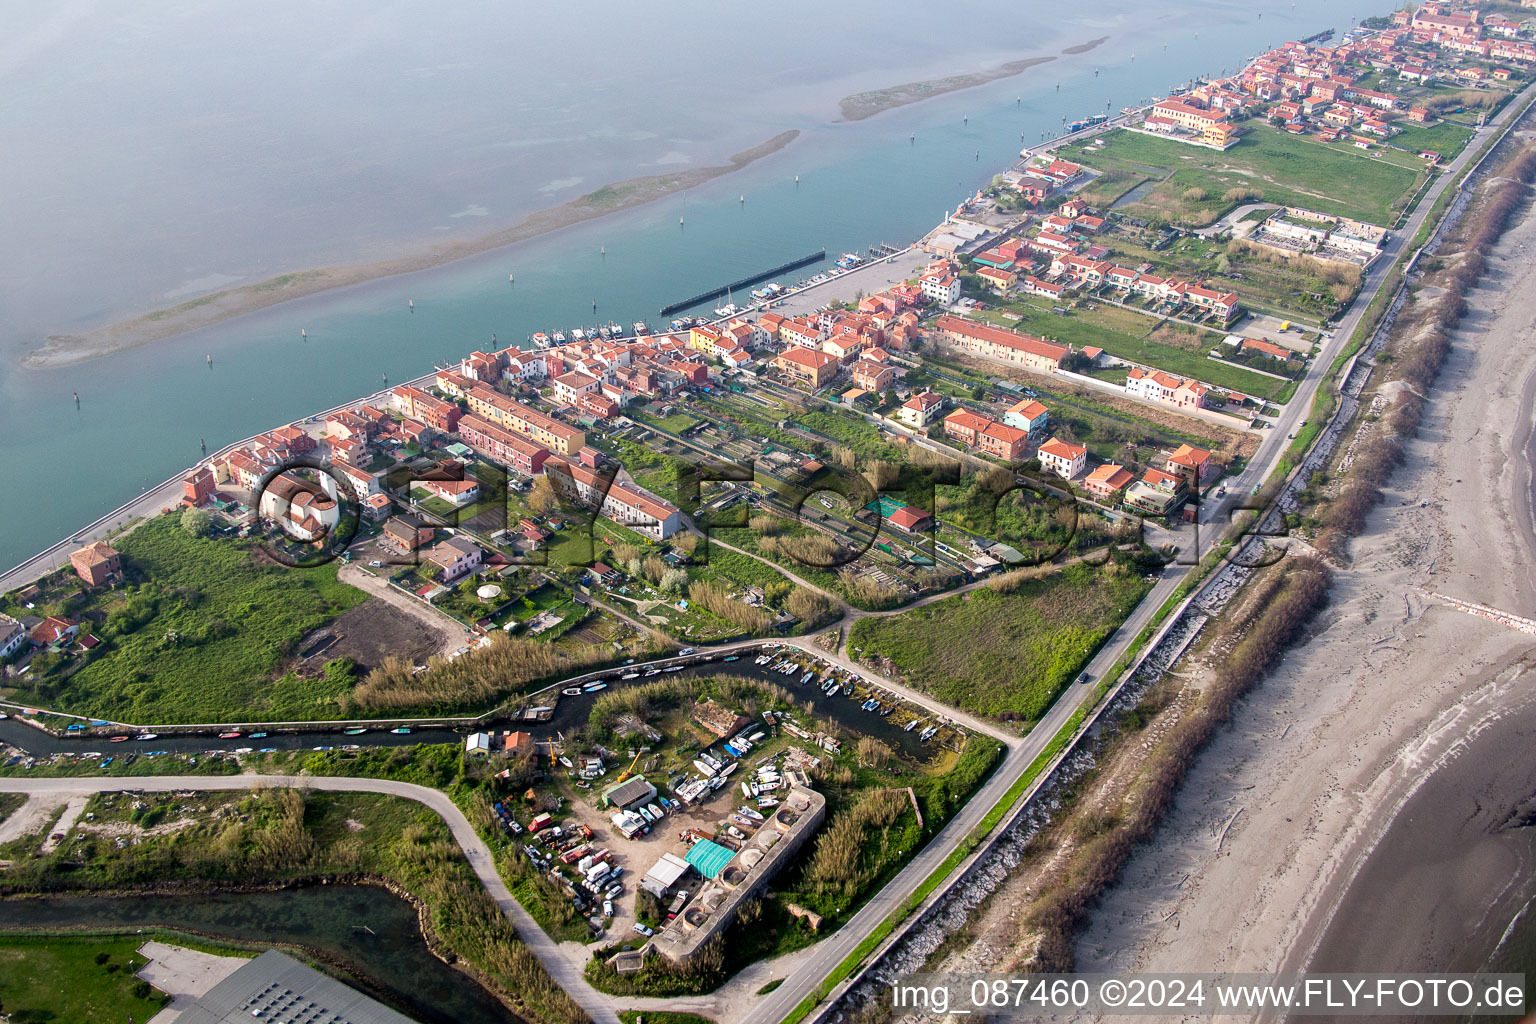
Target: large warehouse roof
(276, 987)
(709, 858)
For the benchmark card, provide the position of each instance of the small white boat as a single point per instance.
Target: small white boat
(402, 731)
(147, 736)
(594, 687)
(566, 761)
(630, 675)
(572, 691)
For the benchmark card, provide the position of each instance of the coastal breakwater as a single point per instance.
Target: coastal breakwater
(715, 293)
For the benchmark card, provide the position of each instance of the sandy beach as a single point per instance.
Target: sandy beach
(1390, 722)
(66, 349)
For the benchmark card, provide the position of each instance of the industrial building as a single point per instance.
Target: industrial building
(275, 988)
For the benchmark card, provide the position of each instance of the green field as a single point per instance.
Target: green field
(1445, 138)
(198, 633)
(1079, 328)
(1287, 169)
(1004, 654)
(75, 980)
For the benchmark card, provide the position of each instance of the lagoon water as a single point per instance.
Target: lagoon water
(156, 152)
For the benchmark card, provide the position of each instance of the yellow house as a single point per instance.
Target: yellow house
(703, 339)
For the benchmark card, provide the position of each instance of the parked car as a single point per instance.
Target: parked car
(607, 908)
(643, 930)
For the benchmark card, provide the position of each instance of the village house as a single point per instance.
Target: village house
(12, 636)
(1108, 480)
(454, 558)
(921, 409)
(1156, 493)
(1063, 458)
(807, 365)
(1157, 386)
(97, 564)
(872, 375)
(54, 632)
(455, 492)
(1027, 415)
(1194, 465)
(942, 288)
(198, 488)
(406, 535)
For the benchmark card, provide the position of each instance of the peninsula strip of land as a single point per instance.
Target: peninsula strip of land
(876, 101)
(67, 349)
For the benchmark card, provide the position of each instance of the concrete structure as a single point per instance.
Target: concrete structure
(275, 987)
(774, 844)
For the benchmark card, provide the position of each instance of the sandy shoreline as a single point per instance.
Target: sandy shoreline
(877, 101)
(1336, 847)
(67, 349)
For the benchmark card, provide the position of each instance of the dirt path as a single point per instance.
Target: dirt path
(449, 631)
(30, 817)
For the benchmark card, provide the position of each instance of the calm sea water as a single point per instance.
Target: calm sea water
(160, 151)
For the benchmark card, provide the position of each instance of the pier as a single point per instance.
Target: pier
(804, 261)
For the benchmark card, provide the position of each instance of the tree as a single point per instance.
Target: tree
(542, 498)
(196, 522)
(978, 393)
(674, 580)
(890, 397)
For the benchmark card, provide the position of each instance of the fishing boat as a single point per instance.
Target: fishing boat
(653, 672)
(676, 668)
(910, 726)
(572, 691)
(630, 675)
(928, 733)
(615, 330)
(541, 340)
(750, 813)
(729, 768)
(245, 750)
(229, 735)
(322, 749)
(566, 761)
(147, 736)
(267, 750)
(358, 731)
(766, 802)
(257, 736)
(736, 833)
(640, 328)
(594, 687)
(705, 768)
(733, 657)
(402, 731)
(118, 739)
(558, 337)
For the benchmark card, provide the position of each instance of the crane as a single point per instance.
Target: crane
(627, 772)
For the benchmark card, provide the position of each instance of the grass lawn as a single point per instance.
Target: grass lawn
(1285, 168)
(78, 980)
(676, 423)
(199, 633)
(1079, 328)
(1004, 654)
(1445, 138)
